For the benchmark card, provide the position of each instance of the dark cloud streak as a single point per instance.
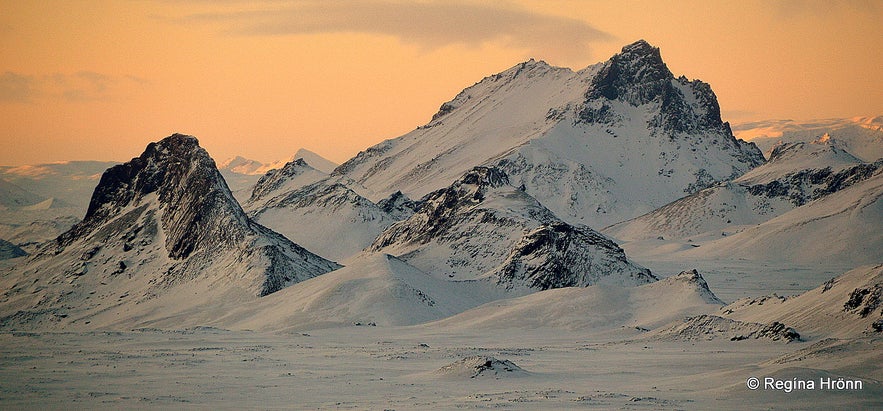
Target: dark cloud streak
(16, 88)
(427, 24)
(75, 87)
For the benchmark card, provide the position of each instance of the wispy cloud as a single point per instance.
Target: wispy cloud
(429, 24)
(73, 87)
(16, 88)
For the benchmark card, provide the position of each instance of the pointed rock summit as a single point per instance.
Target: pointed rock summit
(636, 75)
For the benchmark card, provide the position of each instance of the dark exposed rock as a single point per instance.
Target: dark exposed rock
(808, 185)
(398, 205)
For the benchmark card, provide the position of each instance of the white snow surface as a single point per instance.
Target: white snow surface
(843, 227)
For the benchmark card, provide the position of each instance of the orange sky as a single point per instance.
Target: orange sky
(100, 79)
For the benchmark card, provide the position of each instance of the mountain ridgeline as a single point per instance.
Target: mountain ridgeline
(501, 195)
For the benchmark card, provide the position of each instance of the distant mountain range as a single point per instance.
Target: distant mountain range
(481, 216)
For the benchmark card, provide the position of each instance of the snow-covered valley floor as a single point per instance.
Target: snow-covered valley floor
(367, 367)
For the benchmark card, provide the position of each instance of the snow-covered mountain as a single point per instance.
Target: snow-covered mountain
(596, 146)
(291, 176)
(374, 289)
(861, 136)
(27, 218)
(323, 214)
(315, 160)
(13, 196)
(162, 237)
(796, 174)
(483, 228)
(242, 174)
(69, 181)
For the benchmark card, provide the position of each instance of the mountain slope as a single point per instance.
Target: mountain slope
(316, 161)
(482, 228)
(796, 174)
(326, 217)
(597, 146)
(162, 236)
(324, 214)
(843, 227)
(849, 305)
(374, 289)
(13, 196)
(9, 250)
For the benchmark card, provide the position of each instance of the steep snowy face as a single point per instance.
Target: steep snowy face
(159, 224)
(483, 228)
(483, 121)
(326, 217)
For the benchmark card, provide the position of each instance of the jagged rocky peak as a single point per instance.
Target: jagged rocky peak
(636, 75)
(273, 179)
(484, 177)
(170, 207)
(472, 187)
(468, 189)
(162, 167)
(481, 227)
(188, 187)
(639, 76)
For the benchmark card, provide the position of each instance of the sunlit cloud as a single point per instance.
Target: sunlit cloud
(430, 25)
